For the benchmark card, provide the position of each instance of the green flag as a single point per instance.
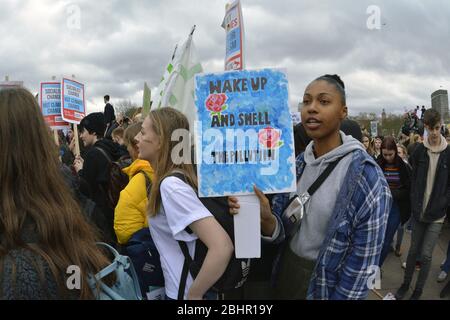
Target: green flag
(146, 104)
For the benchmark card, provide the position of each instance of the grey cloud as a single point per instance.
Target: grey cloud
(121, 44)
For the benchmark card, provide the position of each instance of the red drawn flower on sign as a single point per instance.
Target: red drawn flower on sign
(216, 103)
(270, 138)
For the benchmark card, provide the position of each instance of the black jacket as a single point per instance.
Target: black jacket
(26, 275)
(440, 196)
(402, 196)
(109, 113)
(113, 125)
(96, 174)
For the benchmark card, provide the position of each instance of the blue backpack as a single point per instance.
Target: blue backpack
(144, 255)
(126, 286)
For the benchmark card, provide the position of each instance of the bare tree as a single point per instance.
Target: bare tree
(125, 107)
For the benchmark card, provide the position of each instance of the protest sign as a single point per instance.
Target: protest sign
(10, 84)
(73, 103)
(146, 101)
(374, 128)
(234, 27)
(50, 103)
(244, 133)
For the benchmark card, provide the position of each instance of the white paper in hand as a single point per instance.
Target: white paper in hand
(247, 228)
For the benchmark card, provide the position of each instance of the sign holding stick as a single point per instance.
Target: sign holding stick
(55, 135)
(77, 144)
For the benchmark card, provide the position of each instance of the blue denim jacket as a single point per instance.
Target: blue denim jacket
(352, 246)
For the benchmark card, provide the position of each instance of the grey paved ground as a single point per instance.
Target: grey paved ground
(393, 272)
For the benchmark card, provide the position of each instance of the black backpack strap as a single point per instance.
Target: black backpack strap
(148, 181)
(316, 185)
(105, 154)
(185, 272)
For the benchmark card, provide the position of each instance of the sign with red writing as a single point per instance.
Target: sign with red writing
(234, 27)
(73, 103)
(50, 103)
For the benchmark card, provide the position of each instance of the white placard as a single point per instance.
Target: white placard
(247, 228)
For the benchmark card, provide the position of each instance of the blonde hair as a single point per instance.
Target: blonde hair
(117, 132)
(165, 121)
(130, 133)
(405, 150)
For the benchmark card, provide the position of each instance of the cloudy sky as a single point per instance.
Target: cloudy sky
(121, 44)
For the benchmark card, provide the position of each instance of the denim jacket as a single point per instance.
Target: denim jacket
(351, 250)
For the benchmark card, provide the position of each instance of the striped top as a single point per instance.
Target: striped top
(392, 174)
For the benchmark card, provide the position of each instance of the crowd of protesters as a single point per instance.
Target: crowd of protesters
(124, 188)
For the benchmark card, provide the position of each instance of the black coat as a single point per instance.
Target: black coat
(96, 175)
(109, 113)
(26, 275)
(440, 196)
(402, 196)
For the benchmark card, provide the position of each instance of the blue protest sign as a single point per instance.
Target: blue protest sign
(244, 134)
(73, 104)
(50, 103)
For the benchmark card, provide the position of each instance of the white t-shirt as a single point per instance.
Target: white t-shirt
(180, 208)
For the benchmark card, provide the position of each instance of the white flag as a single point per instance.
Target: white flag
(177, 87)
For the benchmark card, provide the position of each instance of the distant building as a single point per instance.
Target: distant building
(10, 84)
(439, 102)
(383, 116)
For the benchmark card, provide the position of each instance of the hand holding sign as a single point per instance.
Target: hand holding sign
(78, 163)
(268, 220)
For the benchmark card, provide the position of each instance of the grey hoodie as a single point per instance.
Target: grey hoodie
(308, 241)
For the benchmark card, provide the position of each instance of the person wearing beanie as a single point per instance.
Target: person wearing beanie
(301, 139)
(352, 128)
(94, 168)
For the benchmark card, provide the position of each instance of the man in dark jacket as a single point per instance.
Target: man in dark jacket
(430, 197)
(94, 169)
(110, 117)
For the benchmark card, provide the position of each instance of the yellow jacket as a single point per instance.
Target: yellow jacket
(131, 211)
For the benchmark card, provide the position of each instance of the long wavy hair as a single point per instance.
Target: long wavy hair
(34, 193)
(165, 121)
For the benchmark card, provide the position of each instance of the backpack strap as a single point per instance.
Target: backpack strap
(316, 185)
(184, 248)
(184, 274)
(101, 186)
(105, 154)
(148, 181)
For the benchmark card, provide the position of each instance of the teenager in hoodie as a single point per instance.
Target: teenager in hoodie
(430, 197)
(94, 168)
(337, 247)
